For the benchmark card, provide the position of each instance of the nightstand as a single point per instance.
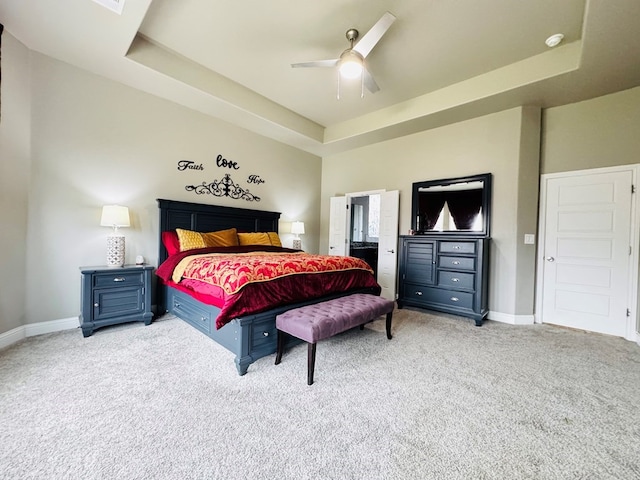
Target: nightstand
(112, 295)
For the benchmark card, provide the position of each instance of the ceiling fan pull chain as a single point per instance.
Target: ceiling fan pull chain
(338, 96)
(362, 84)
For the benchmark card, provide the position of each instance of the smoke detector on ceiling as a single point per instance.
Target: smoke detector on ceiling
(113, 5)
(554, 40)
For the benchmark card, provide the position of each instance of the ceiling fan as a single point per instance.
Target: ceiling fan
(351, 62)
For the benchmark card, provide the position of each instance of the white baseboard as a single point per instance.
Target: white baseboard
(32, 329)
(511, 319)
(11, 337)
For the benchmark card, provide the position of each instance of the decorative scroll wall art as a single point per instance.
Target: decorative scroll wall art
(224, 187)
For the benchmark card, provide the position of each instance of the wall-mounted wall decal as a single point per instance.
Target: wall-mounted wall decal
(225, 187)
(224, 163)
(189, 165)
(255, 179)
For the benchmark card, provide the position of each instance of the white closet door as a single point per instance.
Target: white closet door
(587, 253)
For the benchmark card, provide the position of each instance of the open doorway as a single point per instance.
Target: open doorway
(365, 229)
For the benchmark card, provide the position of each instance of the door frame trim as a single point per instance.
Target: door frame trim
(632, 330)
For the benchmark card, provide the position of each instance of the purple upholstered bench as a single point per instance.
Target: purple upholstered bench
(326, 319)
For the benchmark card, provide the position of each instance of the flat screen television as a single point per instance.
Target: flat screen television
(452, 206)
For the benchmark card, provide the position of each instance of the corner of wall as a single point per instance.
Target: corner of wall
(15, 173)
(528, 179)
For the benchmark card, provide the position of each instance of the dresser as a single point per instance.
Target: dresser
(447, 274)
(112, 295)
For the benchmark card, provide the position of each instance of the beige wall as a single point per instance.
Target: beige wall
(603, 132)
(504, 144)
(14, 180)
(95, 142)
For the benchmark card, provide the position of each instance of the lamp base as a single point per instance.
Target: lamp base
(115, 251)
(297, 244)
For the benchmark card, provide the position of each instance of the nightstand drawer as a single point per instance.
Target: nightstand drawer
(457, 247)
(118, 279)
(457, 263)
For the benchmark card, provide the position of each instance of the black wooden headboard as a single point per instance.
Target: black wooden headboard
(200, 217)
(209, 218)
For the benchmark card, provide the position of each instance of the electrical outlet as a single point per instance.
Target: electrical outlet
(529, 239)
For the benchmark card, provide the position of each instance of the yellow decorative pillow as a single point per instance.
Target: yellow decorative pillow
(190, 240)
(221, 238)
(260, 238)
(275, 239)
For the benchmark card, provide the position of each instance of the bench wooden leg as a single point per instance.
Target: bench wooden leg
(311, 362)
(389, 315)
(280, 346)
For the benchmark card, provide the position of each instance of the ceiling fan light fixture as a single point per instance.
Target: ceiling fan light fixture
(351, 64)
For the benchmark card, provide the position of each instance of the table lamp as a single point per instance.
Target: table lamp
(297, 228)
(115, 216)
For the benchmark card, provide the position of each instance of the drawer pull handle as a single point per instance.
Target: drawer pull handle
(119, 279)
(454, 299)
(266, 334)
(203, 319)
(456, 247)
(419, 293)
(176, 304)
(456, 262)
(390, 251)
(96, 304)
(454, 279)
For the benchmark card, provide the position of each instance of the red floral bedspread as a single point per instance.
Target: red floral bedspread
(247, 283)
(231, 272)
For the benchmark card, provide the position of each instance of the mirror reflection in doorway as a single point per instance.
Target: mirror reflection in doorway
(365, 228)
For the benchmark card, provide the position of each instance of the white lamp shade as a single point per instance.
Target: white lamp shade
(115, 216)
(297, 228)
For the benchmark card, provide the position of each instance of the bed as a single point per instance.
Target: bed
(251, 334)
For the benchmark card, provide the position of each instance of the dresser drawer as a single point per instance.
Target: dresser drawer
(457, 263)
(118, 279)
(438, 296)
(189, 311)
(415, 292)
(457, 280)
(449, 298)
(458, 247)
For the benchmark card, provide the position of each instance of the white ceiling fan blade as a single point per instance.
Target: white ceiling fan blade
(369, 82)
(373, 36)
(317, 63)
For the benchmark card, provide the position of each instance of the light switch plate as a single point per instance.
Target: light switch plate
(529, 239)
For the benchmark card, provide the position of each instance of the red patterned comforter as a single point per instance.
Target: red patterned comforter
(246, 280)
